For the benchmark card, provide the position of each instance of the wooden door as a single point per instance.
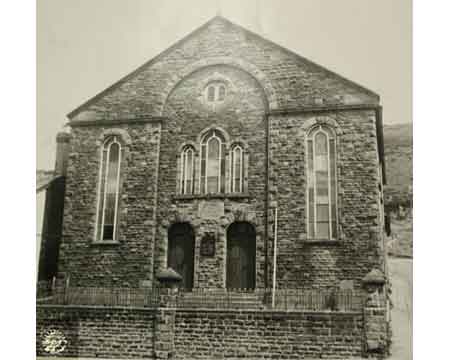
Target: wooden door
(241, 253)
(181, 253)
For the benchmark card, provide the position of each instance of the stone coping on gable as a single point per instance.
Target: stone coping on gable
(108, 122)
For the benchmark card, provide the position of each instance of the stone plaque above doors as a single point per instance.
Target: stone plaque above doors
(211, 209)
(208, 244)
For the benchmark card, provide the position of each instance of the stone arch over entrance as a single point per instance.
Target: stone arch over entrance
(181, 252)
(241, 256)
(252, 70)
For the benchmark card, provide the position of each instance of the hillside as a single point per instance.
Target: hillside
(398, 145)
(398, 141)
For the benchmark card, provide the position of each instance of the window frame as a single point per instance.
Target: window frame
(232, 177)
(219, 92)
(102, 189)
(183, 163)
(330, 135)
(204, 150)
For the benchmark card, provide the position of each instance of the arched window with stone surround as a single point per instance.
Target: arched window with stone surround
(236, 169)
(212, 162)
(108, 190)
(187, 171)
(321, 183)
(215, 92)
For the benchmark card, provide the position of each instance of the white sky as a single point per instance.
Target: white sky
(84, 46)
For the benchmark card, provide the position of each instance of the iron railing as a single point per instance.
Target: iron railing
(60, 293)
(102, 296)
(285, 299)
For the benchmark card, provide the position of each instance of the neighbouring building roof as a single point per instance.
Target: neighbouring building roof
(44, 178)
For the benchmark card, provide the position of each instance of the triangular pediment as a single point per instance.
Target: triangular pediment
(289, 80)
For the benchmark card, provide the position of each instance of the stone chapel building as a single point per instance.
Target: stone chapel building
(218, 158)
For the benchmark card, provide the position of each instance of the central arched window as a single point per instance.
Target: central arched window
(321, 179)
(109, 190)
(212, 163)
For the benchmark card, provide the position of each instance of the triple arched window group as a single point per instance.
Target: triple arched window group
(216, 169)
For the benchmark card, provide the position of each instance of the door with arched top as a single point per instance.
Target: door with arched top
(241, 256)
(181, 253)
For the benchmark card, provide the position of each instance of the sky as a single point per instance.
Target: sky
(84, 46)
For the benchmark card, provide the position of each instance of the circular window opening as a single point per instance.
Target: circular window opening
(215, 92)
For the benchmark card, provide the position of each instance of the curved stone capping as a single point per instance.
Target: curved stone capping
(212, 127)
(251, 69)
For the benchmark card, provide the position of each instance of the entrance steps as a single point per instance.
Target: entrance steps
(221, 299)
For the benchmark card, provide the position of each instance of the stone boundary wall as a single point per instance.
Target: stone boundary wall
(170, 333)
(214, 334)
(103, 332)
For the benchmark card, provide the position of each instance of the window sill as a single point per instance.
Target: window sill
(212, 196)
(106, 242)
(321, 242)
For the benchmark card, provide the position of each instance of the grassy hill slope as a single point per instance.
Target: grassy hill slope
(398, 146)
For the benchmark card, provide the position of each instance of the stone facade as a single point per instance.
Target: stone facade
(273, 98)
(303, 262)
(129, 261)
(161, 107)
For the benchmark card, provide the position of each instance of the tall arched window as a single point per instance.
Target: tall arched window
(236, 169)
(212, 163)
(321, 179)
(108, 200)
(187, 171)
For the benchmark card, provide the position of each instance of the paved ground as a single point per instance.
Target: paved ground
(401, 272)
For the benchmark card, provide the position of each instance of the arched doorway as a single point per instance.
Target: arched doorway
(241, 254)
(181, 252)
